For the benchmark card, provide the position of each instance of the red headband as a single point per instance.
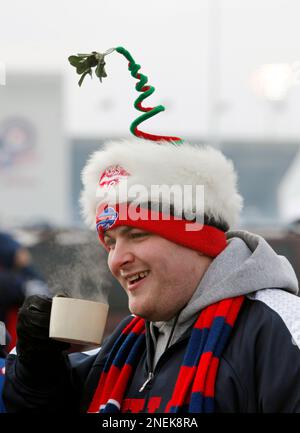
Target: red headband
(204, 238)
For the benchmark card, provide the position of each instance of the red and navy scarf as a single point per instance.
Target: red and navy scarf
(194, 389)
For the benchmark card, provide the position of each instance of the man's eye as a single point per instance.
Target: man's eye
(135, 235)
(109, 243)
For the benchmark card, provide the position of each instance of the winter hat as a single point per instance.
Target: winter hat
(186, 194)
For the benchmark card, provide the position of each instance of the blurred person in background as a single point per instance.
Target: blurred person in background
(18, 279)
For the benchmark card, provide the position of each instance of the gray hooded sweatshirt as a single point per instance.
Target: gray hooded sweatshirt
(248, 264)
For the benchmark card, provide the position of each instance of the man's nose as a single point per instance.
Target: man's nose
(120, 257)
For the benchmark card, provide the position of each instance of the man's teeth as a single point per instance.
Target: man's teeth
(136, 276)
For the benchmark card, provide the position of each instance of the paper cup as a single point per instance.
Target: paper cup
(77, 321)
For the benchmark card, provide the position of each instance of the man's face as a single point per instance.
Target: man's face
(158, 276)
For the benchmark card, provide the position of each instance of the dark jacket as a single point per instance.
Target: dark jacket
(259, 370)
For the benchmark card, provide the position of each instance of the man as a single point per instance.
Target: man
(215, 325)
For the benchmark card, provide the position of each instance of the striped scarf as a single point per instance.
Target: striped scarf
(194, 389)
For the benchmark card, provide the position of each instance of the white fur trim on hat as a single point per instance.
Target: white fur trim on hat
(164, 163)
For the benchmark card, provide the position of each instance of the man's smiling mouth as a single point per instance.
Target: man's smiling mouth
(133, 279)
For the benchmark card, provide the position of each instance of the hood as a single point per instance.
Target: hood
(247, 264)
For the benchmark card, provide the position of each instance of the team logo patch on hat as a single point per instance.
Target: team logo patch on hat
(106, 219)
(113, 175)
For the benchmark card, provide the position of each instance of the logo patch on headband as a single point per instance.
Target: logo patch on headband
(106, 219)
(113, 175)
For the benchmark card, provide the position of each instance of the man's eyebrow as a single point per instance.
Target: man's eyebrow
(123, 230)
(126, 229)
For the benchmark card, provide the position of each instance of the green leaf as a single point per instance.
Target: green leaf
(82, 67)
(74, 60)
(83, 76)
(103, 75)
(100, 71)
(92, 61)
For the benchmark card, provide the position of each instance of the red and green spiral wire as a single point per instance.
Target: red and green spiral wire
(146, 92)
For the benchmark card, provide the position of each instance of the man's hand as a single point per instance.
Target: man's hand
(34, 345)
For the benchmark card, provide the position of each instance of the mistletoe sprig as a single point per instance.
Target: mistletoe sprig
(85, 62)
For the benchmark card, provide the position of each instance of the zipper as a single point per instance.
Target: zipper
(149, 352)
(160, 361)
(149, 378)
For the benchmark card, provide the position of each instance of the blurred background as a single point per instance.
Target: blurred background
(228, 72)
